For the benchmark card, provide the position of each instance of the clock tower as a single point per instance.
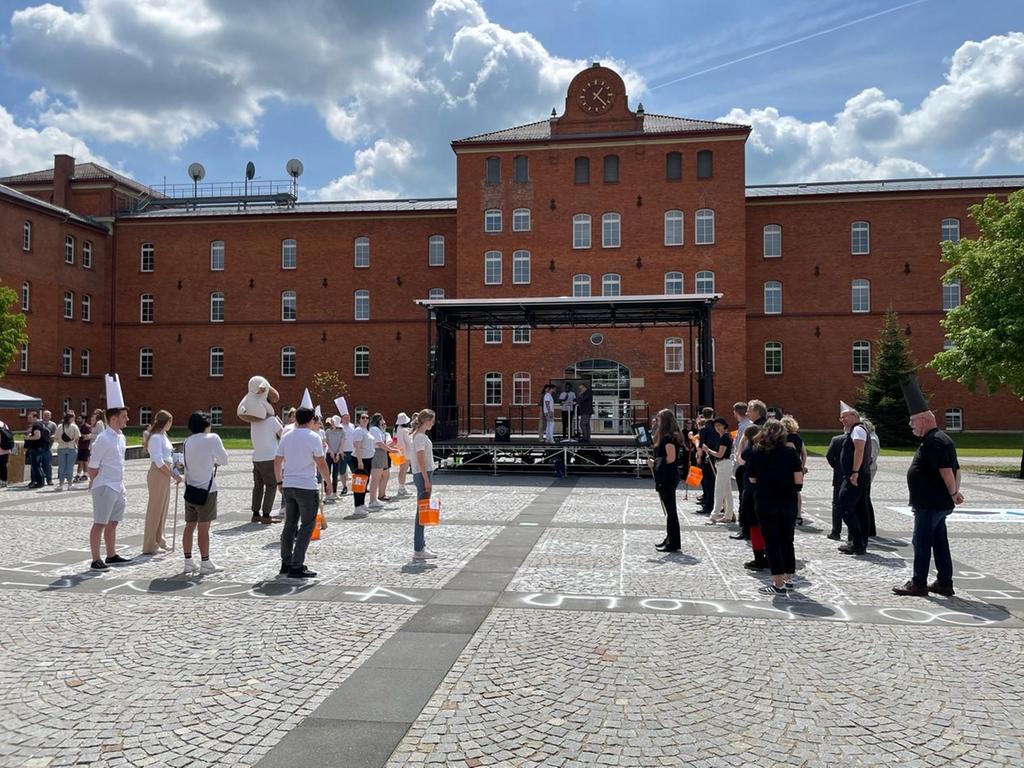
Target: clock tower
(596, 102)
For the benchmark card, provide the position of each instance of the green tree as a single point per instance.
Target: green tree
(987, 329)
(12, 328)
(881, 397)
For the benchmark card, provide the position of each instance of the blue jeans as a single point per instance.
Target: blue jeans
(66, 464)
(930, 534)
(419, 539)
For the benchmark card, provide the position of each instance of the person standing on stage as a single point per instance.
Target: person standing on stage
(668, 447)
(709, 442)
(567, 404)
(934, 484)
(854, 460)
(549, 413)
(585, 411)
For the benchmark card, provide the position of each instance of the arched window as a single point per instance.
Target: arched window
(954, 419)
(289, 253)
(288, 361)
(362, 252)
(26, 296)
(673, 283)
(581, 285)
(362, 305)
(147, 257)
(492, 268)
(673, 227)
(674, 166)
(66, 361)
(611, 230)
(435, 251)
(950, 295)
(581, 170)
(87, 308)
(611, 168)
(87, 254)
(146, 362)
(705, 227)
(217, 256)
(521, 169)
(361, 361)
(705, 164)
(289, 306)
(146, 308)
(216, 307)
(492, 170)
(704, 282)
(860, 238)
(862, 357)
(69, 249)
(773, 357)
(85, 362)
(521, 220)
(674, 355)
(26, 236)
(492, 388)
(492, 220)
(772, 241)
(773, 297)
(951, 230)
(216, 361)
(611, 284)
(861, 295)
(521, 388)
(520, 267)
(435, 293)
(581, 230)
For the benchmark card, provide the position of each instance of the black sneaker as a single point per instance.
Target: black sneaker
(849, 549)
(755, 565)
(301, 573)
(117, 559)
(285, 567)
(99, 565)
(255, 517)
(771, 589)
(834, 537)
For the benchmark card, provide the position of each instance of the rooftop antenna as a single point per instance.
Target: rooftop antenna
(294, 169)
(250, 171)
(197, 173)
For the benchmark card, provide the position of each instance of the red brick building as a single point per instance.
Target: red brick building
(603, 199)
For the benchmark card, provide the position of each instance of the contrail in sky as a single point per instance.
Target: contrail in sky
(774, 48)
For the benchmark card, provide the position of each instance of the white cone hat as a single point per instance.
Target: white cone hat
(341, 405)
(307, 401)
(115, 399)
(845, 407)
(317, 412)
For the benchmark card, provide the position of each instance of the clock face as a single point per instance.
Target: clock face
(596, 96)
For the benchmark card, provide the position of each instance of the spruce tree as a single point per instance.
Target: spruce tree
(881, 398)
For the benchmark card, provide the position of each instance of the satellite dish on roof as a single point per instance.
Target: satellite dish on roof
(294, 168)
(250, 170)
(196, 172)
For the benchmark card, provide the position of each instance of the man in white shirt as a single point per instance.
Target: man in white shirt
(299, 455)
(106, 485)
(264, 435)
(567, 400)
(549, 415)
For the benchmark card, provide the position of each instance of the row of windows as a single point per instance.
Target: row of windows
(69, 303)
(290, 251)
(860, 296)
(69, 246)
(860, 237)
(609, 168)
(289, 305)
(289, 357)
(611, 229)
(861, 352)
(67, 361)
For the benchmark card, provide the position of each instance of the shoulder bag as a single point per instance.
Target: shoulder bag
(194, 494)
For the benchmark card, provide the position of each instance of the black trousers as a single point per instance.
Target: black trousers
(707, 484)
(360, 498)
(837, 515)
(742, 514)
(850, 498)
(3, 467)
(566, 423)
(777, 526)
(667, 494)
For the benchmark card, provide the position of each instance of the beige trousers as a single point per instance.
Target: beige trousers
(156, 509)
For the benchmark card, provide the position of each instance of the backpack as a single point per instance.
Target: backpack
(6, 438)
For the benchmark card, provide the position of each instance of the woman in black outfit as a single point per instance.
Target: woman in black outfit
(776, 471)
(668, 446)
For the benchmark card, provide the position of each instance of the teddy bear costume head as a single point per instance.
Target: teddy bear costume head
(256, 405)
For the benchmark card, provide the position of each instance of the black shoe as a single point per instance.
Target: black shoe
(117, 559)
(666, 548)
(849, 549)
(255, 518)
(799, 521)
(755, 565)
(739, 536)
(285, 567)
(946, 590)
(910, 589)
(660, 544)
(301, 573)
(98, 565)
(700, 499)
(834, 537)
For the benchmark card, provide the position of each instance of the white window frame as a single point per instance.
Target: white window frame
(26, 236)
(289, 253)
(26, 296)
(217, 298)
(611, 280)
(670, 283)
(216, 416)
(776, 346)
(147, 257)
(23, 358)
(145, 415)
(863, 286)
(218, 255)
(522, 334)
(704, 227)
(146, 359)
(492, 276)
(435, 294)
(860, 347)
(581, 231)
(674, 220)
(519, 397)
(522, 220)
(216, 358)
(86, 308)
(949, 230)
(69, 249)
(492, 335)
(771, 241)
(435, 251)
(87, 254)
(361, 252)
(611, 230)
(519, 259)
(84, 362)
(954, 419)
(492, 388)
(361, 305)
(951, 297)
(675, 355)
(702, 277)
(775, 287)
(289, 356)
(492, 221)
(860, 238)
(579, 282)
(361, 361)
(69, 305)
(289, 300)
(67, 361)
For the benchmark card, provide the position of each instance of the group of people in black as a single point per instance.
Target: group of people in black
(768, 459)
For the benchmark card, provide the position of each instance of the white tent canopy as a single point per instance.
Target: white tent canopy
(11, 399)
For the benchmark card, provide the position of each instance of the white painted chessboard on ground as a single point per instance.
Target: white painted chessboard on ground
(458, 502)
(612, 507)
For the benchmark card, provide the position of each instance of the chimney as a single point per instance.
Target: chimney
(63, 171)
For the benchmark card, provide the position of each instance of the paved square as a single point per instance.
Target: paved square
(548, 633)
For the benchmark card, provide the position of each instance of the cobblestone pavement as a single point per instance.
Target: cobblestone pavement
(548, 633)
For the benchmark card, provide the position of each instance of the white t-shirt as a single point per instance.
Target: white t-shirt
(107, 456)
(420, 442)
(568, 400)
(549, 404)
(379, 435)
(859, 433)
(300, 448)
(160, 449)
(364, 443)
(346, 444)
(264, 438)
(203, 452)
(404, 440)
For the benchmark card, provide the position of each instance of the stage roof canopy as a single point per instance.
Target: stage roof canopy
(573, 311)
(11, 399)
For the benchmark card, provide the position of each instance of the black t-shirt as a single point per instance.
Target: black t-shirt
(709, 437)
(928, 490)
(773, 470)
(725, 440)
(798, 443)
(43, 441)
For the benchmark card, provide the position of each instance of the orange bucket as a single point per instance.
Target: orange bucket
(695, 475)
(316, 528)
(359, 483)
(429, 511)
(398, 459)
(734, 433)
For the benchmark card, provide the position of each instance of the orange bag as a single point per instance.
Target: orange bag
(695, 475)
(429, 511)
(316, 528)
(398, 459)
(359, 483)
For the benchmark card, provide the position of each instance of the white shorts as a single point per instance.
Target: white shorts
(107, 505)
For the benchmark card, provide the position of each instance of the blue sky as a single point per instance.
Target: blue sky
(368, 95)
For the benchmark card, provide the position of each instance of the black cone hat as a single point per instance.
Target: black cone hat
(913, 396)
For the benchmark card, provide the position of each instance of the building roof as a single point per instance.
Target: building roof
(412, 205)
(943, 183)
(653, 125)
(83, 172)
(21, 197)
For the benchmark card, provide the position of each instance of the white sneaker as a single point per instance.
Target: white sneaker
(402, 492)
(424, 554)
(359, 512)
(374, 505)
(207, 567)
(190, 566)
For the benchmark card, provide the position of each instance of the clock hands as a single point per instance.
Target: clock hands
(597, 95)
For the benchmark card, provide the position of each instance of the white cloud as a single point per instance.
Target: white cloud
(384, 159)
(975, 115)
(24, 149)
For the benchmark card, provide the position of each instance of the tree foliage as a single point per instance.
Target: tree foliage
(326, 386)
(12, 328)
(987, 329)
(881, 397)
